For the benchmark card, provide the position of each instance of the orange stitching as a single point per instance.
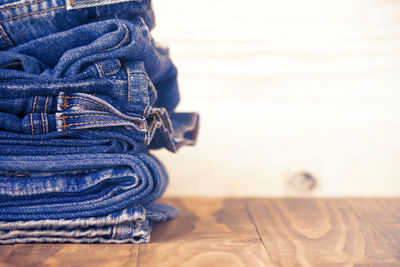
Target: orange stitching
(144, 112)
(129, 82)
(28, 14)
(152, 125)
(81, 123)
(20, 5)
(101, 69)
(43, 123)
(93, 115)
(162, 117)
(45, 104)
(33, 132)
(66, 106)
(80, 116)
(34, 104)
(90, 100)
(5, 39)
(150, 129)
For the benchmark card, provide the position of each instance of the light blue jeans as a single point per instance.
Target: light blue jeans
(130, 225)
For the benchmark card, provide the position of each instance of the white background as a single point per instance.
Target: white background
(285, 87)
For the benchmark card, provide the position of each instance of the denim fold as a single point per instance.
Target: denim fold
(85, 94)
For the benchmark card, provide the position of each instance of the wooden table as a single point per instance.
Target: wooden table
(245, 232)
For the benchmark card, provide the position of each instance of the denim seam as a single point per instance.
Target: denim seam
(45, 104)
(82, 123)
(66, 186)
(46, 123)
(170, 144)
(33, 13)
(80, 116)
(88, 1)
(70, 105)
(79, 2)
(42, 122)
(3, 34)
(51, 178)
(33, 132)
(162, 117)
(101, 69)
(150, 129)
(88, 201)
(87, 99)
(91, 115)
(34, 104)
(64, 105)
(144, 112)
(129, 82)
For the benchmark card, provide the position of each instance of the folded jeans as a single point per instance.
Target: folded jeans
(39, 187)
(130, 225)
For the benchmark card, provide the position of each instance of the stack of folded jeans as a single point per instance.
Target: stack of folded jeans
(85, 93)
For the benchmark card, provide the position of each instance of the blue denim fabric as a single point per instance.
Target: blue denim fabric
(82, 186)
(55, 92)
(92, 58)
(88, 198)
(85, 91)
(25, 20)
(130, 225)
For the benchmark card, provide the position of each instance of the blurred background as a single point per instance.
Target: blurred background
(297, 98)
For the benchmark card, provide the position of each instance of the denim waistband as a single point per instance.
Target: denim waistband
(24, 20)
(83, 111)
(102, 140)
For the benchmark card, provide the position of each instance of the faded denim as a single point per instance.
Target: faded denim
(130, 225)
(105, 80)
(25, 20)
(85, 92)
(95, 198)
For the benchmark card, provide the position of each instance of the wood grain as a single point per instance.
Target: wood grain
(68, 255)
(214, 232)
(329, 232)
(245, 232)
